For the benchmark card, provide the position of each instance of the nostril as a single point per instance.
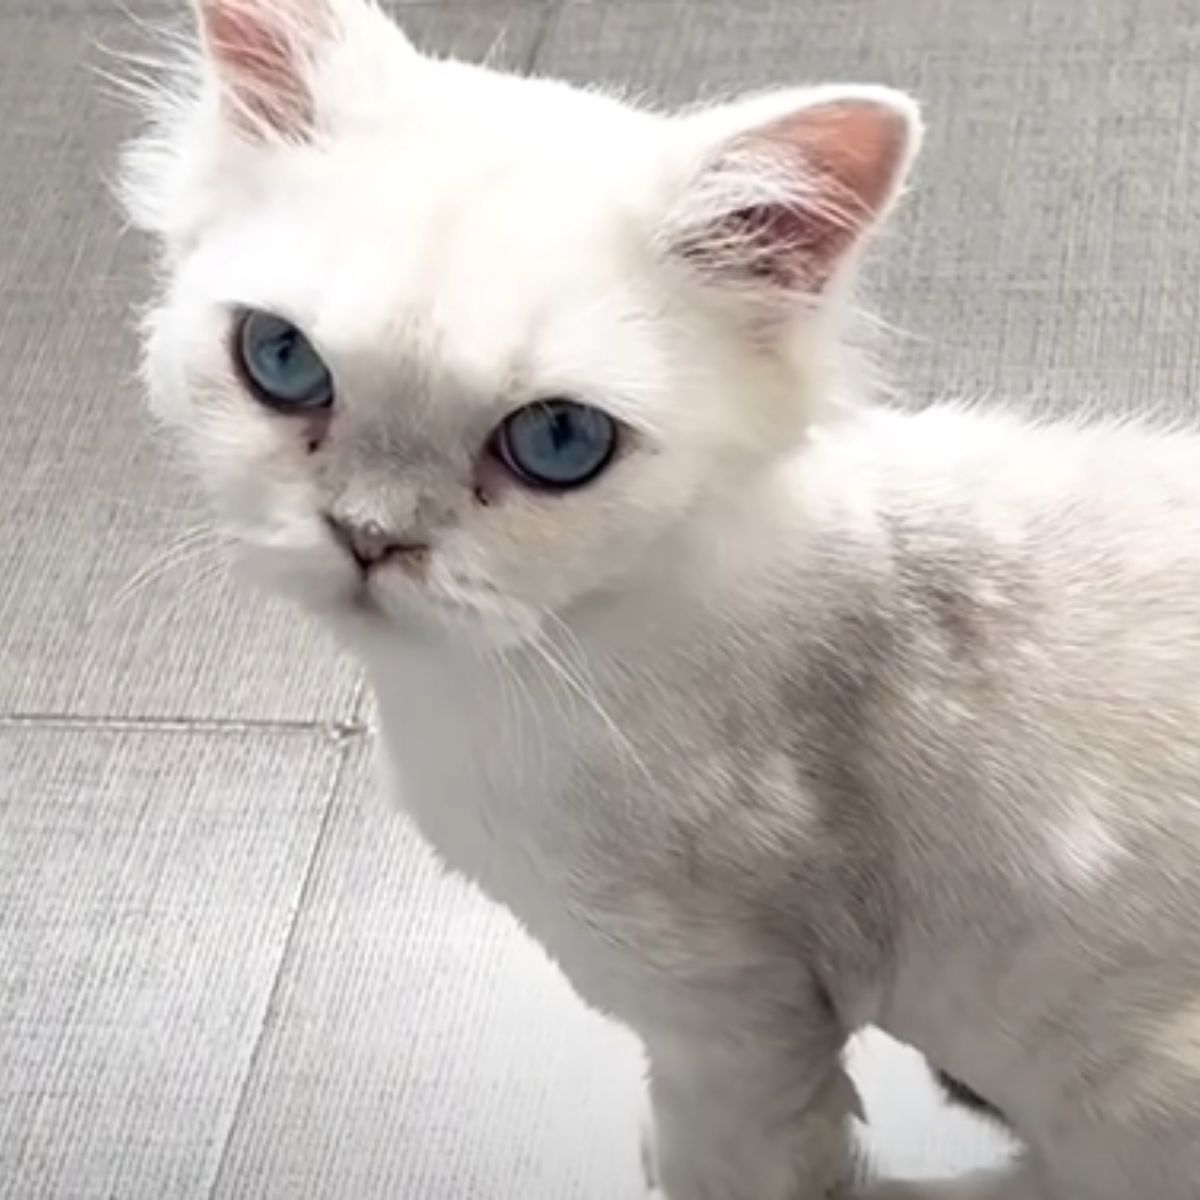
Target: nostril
(369, 543)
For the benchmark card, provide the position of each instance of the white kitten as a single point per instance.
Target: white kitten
(770, 717)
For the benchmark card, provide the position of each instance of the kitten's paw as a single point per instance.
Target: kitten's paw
(983, 1185)
(929, 1190)
(895, 1190)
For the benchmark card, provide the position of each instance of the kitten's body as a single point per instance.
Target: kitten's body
(798, 716)
(938, 642)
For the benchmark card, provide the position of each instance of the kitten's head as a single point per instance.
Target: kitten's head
(454, 349)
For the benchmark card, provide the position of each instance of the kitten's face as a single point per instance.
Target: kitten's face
(456, 353)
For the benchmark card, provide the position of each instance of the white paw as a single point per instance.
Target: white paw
(979, 1185)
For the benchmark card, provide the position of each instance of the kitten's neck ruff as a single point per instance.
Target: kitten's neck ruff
(699, 569)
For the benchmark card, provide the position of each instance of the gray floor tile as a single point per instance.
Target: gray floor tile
(911, 1132)
(154, 9)
(486, 13)
(1050, 245)
(147, 884)
(422, 1048)
(89, 501)
(504, 33)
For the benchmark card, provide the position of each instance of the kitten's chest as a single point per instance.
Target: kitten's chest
(493, 768)
(591, 817)
(474, 760)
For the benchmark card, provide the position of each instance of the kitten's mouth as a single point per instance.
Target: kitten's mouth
(425, 614)
(359, 604)
(369, 600)
(361, 599)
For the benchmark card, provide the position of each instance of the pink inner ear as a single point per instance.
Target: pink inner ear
(857, 146)
(845, 156)
(260, 52)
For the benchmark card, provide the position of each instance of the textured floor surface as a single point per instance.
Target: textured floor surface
(225, 970)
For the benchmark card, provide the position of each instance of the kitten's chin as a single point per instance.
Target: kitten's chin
(437, 620)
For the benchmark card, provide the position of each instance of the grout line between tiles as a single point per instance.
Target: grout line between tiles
(360, 707)
(337, 731)
(286, 957)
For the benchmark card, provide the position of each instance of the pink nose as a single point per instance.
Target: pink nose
(369, 544)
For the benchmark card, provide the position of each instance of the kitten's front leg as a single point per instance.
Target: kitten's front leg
(748, 1120)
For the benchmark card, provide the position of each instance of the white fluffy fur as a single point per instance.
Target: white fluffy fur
(801, 717)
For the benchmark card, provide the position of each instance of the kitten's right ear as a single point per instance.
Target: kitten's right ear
(268, 57)
(264, 54)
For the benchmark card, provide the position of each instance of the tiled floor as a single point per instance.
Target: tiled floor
(225, 969)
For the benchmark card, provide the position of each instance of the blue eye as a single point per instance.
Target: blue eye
(280, 364)
(557, 443)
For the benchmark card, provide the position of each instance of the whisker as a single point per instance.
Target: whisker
(540, 741)
(190, 545)
(513, 726)
(587, 694)
(208, 572)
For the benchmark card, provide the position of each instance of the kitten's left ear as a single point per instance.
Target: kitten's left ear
(783, 188)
